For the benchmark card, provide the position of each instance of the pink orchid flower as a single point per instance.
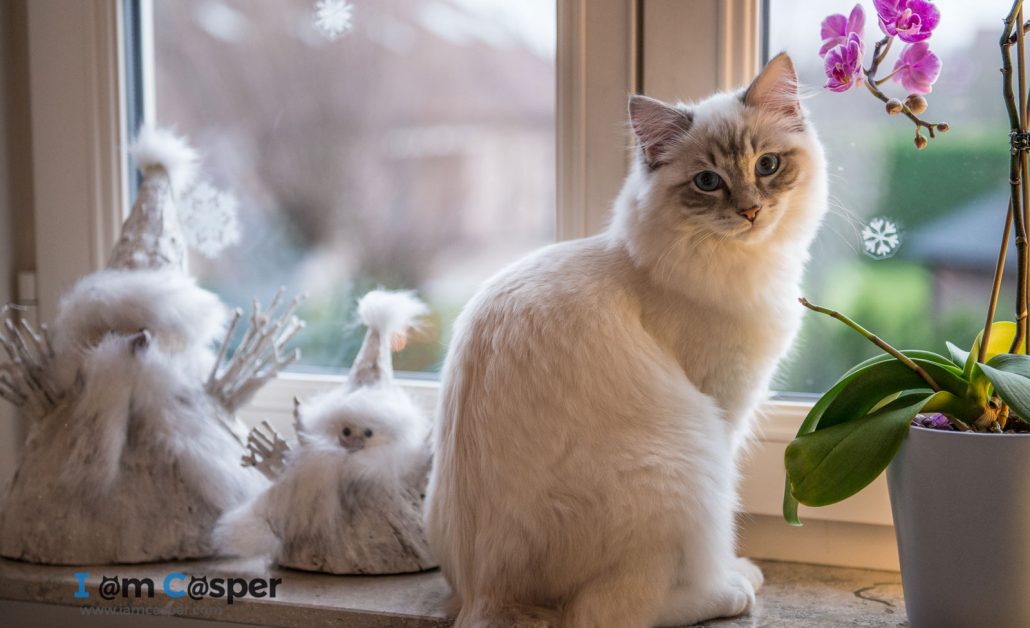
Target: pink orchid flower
(843, 65)
(917, 68)
(836, 28)
(911, 20)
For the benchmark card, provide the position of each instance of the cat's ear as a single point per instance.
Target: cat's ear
(775, 89)
(656, 125)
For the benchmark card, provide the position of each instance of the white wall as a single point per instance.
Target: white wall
(17, 251)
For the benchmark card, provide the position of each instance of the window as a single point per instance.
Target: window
(414, 151)
(948, 200)
(606, 49)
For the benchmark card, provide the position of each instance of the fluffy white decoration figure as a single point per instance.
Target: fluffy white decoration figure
(133, 451)
(349, 499)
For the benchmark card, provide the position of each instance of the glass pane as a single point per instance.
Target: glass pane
(948, 200)
(414, 151)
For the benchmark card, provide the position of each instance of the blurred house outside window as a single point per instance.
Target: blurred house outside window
(414, 150)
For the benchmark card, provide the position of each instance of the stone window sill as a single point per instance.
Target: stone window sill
(796, 595)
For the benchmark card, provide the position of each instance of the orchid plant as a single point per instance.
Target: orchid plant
(855, 429)
(916, 69)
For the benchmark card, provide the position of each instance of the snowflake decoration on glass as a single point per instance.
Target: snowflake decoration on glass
(333, 17)
(208, 216)
(881, 238)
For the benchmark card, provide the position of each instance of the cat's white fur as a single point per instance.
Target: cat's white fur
(596, 395)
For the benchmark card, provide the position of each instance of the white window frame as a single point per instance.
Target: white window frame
(607, 49)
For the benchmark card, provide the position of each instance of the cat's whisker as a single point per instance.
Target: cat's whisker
(849, 242)
(663, 372)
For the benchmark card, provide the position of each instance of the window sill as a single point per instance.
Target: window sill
(803, 596)
(303, 599)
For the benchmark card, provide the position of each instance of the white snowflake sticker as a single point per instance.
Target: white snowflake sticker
(333, 17)
(208, 217)
(881, 238)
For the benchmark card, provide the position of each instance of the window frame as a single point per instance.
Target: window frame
(606, 49)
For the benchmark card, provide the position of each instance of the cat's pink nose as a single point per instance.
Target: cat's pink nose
(751, 213)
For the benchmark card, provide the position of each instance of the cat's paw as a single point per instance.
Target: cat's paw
(739, 595)
(751, 571)
(689, 605)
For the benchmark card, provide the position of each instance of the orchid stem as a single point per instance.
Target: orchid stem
(1017, 121)
(876, 340)
(871, 83)
(999, 273)
(888, 77)
(1024, 171)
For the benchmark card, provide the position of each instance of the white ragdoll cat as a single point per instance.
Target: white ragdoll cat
(597, 393)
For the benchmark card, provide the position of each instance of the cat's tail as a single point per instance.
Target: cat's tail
(388, 316)
(244, 531)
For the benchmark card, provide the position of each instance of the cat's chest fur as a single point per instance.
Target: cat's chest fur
(730, 354)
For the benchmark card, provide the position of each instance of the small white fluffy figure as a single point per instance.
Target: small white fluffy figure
(130, 455)
(596, 394)
(350, 498)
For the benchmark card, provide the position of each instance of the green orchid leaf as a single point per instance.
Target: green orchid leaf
(929, 356)
(790, 504)
(937, 358)
(829, 465)
(963, 408)
(981, 386)
(1011, 363)
(1013, 388)
(863, 393)
(1002, 335)
(859, 390)
(958, 356)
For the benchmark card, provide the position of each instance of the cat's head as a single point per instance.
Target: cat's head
(737, 168)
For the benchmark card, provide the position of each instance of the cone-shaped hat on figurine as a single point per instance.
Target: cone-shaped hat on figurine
(152, 237)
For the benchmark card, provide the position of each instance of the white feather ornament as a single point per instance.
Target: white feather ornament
(133, 447)
(348, 498)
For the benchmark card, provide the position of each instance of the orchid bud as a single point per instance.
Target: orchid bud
(943, 127)
(894, 106)
(920, 142)
(915, 103)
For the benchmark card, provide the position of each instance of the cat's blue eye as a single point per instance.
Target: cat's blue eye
(368, 433)
(707, 181)
(767, 164)
(346, 431)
